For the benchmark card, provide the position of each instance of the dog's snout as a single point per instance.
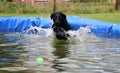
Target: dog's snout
(56, 22)
(57, 19)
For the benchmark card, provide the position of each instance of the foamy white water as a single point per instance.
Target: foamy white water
(81, 35)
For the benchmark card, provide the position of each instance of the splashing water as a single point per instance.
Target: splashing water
(43, 33)
(82, 34)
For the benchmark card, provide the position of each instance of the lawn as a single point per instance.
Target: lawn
(100, 11)
(108, 17)
(26, 15)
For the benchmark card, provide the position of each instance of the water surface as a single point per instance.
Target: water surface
(82, 53)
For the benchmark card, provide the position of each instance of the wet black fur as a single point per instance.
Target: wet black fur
(60, 25)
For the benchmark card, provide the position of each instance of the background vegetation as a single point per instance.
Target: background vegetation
(18, 8)
(101, 10)
(76, 8)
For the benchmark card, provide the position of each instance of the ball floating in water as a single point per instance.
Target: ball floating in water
(40, 60)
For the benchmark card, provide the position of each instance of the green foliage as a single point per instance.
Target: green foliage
(77, 8)
(86, 8)
(9, 7)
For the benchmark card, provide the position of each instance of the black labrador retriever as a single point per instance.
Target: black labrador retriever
(60, 25)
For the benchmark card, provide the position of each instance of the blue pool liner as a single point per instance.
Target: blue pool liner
(19, 24)
(4, 59)
(115, 29)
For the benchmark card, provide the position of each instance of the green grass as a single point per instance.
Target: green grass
(100, 11)
(83, 8)
(26, 15)
(108, 17)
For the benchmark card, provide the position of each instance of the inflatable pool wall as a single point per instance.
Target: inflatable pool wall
(19, 24)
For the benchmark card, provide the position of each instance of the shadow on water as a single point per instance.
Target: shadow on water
(60, 51)
(61, 48)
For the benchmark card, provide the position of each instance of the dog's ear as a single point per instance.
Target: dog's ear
(52, 15)
(64, 16)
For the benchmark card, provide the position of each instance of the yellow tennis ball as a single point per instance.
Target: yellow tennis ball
(39, 59)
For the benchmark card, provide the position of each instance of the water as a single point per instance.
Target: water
(82, 53)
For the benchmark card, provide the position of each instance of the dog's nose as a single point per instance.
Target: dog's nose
(57, 22)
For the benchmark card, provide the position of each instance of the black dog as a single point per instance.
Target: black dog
(60, 25)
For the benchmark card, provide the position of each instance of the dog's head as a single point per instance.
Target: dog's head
(58, 17)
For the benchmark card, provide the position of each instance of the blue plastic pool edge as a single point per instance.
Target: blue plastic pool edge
(19, 24)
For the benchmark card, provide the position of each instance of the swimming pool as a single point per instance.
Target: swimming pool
(83, 53)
